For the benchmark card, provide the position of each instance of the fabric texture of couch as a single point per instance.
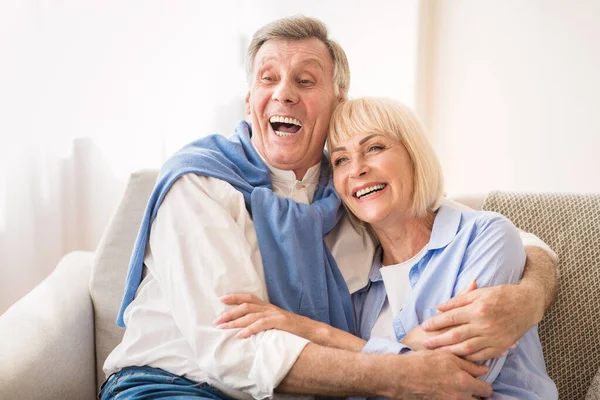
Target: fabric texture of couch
(55, 339)
(570, 330)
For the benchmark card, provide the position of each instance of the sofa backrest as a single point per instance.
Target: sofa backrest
(570, 330)
(111, 261)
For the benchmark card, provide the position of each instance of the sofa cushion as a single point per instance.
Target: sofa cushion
(569, 332)
(594, 392)
(111, 261)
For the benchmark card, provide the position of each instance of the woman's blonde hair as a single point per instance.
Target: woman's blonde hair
(395, 120)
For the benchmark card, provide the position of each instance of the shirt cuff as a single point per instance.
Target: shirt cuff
(386, 346)
(275, 356)
(529, 239)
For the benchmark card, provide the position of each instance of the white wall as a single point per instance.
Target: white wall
(514, 94)
(91, 90)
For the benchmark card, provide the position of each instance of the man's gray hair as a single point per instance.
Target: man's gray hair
(298, 28)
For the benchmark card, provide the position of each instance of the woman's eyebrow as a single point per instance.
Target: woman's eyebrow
(368, 137)
(362, 141)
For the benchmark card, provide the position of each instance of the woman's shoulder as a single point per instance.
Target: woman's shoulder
(482, 220)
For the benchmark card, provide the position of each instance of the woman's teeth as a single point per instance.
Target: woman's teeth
(369, 191)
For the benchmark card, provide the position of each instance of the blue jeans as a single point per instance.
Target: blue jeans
(136, 383)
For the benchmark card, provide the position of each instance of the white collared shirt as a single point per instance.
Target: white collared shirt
(202, 246)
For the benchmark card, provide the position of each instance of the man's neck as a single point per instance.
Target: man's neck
(300, 173)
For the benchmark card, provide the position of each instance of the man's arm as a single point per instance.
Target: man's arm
(199, 250)
(499, 314)
(430, 374)
(541, 276)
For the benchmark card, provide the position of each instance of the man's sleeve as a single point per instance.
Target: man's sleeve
(201, 251)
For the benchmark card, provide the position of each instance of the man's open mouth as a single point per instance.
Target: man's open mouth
(369, 191)
(285, 126)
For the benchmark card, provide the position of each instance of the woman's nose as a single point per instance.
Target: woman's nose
(359, 169)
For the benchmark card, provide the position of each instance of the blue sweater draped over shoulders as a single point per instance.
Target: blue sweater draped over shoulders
(301, 275)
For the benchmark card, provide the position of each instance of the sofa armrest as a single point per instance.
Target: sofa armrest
(47, 337)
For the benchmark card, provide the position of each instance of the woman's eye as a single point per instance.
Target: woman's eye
(339, 161)
(305, 82)
(375, 147)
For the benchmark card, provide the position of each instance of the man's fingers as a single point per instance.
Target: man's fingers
(460, 300)
(446, 320)
(450, 337)
(466, 347)
(472, 286)
(471, 368)
(482, 389)
(485, 354)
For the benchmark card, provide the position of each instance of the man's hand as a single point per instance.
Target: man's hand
(484, 322)
(440, 375)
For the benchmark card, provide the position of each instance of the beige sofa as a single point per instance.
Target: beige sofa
(55, 340)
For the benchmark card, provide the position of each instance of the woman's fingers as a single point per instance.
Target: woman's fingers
(238, 312)
(241, 322)
(239, 298)
(262, 324)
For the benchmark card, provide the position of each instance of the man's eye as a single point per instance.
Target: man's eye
(267, 78)
(305, 82)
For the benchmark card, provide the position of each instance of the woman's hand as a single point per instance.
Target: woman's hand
(254, 315)
(417, 336)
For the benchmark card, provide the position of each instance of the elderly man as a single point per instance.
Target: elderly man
(256, 213)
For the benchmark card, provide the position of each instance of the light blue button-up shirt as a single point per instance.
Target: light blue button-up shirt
(463, 246)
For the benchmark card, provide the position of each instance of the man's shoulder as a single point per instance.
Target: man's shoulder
(192, 185)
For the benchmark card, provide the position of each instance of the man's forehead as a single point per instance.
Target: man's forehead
(303, 52)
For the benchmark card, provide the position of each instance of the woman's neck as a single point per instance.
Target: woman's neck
(403, 239)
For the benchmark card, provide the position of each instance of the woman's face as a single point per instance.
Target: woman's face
(373, 175)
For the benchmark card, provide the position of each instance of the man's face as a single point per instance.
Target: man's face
(291, 99)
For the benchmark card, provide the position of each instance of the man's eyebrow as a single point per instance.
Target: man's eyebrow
(313, 61)
(265, 60)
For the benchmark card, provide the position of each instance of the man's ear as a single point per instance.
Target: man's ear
(248, 104)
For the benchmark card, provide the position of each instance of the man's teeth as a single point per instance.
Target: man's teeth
(283, 134)
(369, 190)
(285, 120)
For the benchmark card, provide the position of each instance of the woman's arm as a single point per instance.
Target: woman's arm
(252, 315)
(495, 256)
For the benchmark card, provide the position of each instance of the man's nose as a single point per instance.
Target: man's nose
(285, 92)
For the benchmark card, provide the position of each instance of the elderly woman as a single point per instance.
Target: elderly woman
(388, 177)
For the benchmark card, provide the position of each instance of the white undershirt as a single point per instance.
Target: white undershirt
(398, 290)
